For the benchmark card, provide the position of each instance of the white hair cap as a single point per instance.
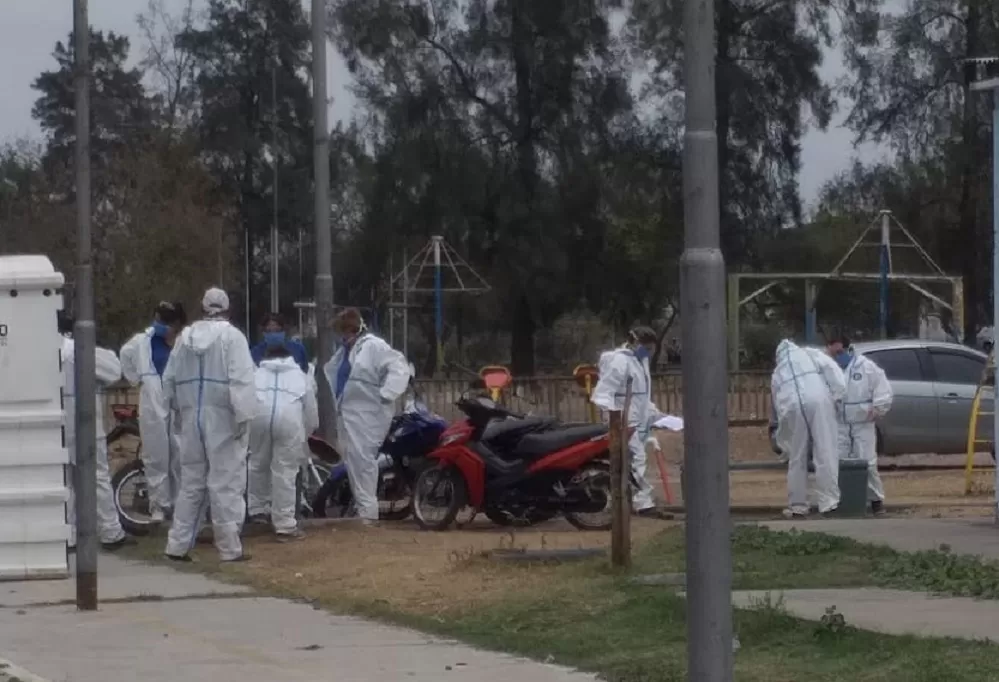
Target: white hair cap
(215, 301)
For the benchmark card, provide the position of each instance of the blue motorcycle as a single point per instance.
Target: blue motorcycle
(411, 436)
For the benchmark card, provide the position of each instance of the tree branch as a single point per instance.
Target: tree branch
(468, 86)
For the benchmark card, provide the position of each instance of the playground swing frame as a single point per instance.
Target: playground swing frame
(812, 279)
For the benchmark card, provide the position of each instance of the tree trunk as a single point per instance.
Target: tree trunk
(968, 208)
(522, 338)
(523, 326)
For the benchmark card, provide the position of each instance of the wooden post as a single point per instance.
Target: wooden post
(620, 488)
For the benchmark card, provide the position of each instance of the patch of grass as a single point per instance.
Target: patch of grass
(764, 559)
(633, 634)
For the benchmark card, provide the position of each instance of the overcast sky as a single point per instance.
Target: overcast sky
(30, 28)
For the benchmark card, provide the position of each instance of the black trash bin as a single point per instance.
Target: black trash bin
(852, 487)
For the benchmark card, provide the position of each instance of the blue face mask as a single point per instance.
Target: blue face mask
(160, 329)
(843, 358)
(274, 339)
(641, 352)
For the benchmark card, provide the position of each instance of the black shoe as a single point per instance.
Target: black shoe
(654, 513)
(831, 514)
(184, 558)
(126, 541)
(260, 520)
(878, 508)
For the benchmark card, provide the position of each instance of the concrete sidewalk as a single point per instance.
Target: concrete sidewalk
(896, 612)
(977, 537)
(177, 632)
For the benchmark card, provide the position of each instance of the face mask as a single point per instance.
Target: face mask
(843, 358)
(641, 352)
(274, 339)
(160, 329)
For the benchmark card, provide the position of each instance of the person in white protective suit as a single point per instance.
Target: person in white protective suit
(868, 398)
(109, 529)
(143, 360)
(366, 376)
(615, 367)
(288, 414)
(806, 387)
(209, 380)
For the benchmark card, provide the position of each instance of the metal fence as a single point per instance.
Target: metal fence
(562, 397)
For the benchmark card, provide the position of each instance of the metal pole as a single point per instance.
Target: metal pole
(246, 266)
(705, 376)
(391, 299)
(84, 332)
(811, 318)
(885, 266)
(405, 303)
(995, 264)
(438, 305)
(275, 298)
(321, 220)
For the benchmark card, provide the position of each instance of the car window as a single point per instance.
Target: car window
(900, 364)
(956, 368)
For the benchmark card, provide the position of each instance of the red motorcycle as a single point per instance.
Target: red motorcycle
(540, 474)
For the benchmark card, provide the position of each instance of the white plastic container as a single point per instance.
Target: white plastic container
(33, 494)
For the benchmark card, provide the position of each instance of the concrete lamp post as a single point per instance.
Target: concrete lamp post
(989, 82)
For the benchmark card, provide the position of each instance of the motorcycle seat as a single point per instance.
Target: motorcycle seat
(538, 444)
(511, 428)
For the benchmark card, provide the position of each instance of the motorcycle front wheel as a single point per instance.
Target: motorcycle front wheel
(595, 480)
(439, 493)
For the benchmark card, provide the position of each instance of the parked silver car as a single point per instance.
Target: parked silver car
(934, 385)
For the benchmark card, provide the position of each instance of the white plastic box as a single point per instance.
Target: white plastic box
(33, 493)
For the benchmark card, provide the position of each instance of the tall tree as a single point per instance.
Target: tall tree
(120, 110)
(910, 87)
(536, 86)
(766, 73)
(244, 48)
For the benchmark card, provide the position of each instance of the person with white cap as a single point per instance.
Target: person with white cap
(209, 380)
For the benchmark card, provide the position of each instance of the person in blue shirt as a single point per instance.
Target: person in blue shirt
(143, 361)
(275, 336)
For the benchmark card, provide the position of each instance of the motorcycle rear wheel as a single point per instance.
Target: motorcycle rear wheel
(440, 487)
(596, 481)
(129, 483)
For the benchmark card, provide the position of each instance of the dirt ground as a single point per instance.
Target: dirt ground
(407, 570)
(401, 569)
(926, 493)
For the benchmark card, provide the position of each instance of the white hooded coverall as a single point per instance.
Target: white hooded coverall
(209, 380)
(806, 385)
(379, 375)
(615, 367)
(287, 414)
(868, 398)
(157, 423)
(108, 372)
